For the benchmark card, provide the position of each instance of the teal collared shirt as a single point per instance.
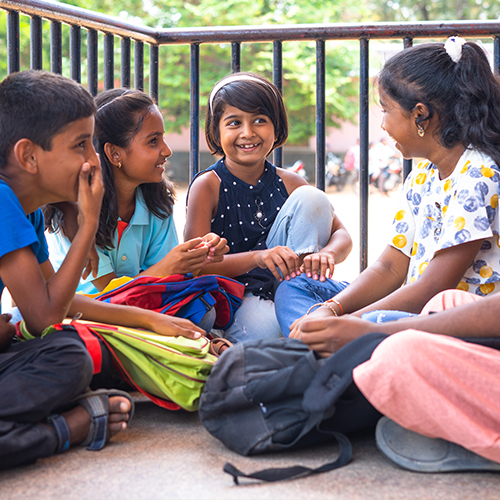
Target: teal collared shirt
(144, 242)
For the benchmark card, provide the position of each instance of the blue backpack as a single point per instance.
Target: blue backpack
(178, 295)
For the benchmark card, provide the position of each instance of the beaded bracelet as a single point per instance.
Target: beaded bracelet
(338, 303)
(322, 304)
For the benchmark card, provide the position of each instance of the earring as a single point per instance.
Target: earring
(119, 164)
(420, 130)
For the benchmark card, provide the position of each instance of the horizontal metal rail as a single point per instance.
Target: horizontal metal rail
(77, 18)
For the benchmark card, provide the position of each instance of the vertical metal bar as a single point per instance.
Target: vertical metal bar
(125, 62)
(55, 47)
(235, 57)
(154, 58)
(139, 65)
(407, 164)
(36, 54)
(363, 157)
(320, 115)
(496, 55)
(278, 81)
(75, 53)
(92, 61)
(109, 61)
(194, 157)
(13, 48)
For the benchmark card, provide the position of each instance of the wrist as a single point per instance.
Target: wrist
(334, 303)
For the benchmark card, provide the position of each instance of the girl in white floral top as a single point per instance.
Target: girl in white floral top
(440, 102)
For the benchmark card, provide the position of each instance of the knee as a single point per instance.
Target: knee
(311, 198)
(299, 283)
(405, 349)
(70, 357)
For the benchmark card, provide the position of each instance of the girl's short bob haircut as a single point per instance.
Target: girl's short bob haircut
(253, 94)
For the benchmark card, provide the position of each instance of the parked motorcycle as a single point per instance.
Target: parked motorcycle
(390, 177)
(336, 173)
(299, 168)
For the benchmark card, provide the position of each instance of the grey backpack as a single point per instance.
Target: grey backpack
(272, 395)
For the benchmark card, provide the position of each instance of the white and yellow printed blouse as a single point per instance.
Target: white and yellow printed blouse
(437, 214)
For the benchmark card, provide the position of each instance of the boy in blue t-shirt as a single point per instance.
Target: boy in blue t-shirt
(47, 156)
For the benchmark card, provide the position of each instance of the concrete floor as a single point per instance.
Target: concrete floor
(169, 455)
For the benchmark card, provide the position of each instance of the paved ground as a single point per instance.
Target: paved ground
(169, 455)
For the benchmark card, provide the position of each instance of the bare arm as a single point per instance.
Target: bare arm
(42, 302)
(202, 206)
(318, 264)
(445, 270)
(184, 258)
(70, 228)
(134, 317)
(327, 334)
(376, 282)
(321, 265)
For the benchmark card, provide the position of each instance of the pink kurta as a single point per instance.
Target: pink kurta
(436, 385)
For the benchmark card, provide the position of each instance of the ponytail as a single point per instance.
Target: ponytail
(465, 94)
(478, 102)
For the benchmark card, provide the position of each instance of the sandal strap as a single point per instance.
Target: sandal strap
(58, 422)
(97, 407)
(218, 346)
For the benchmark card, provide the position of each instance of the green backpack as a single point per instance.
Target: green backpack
(171, 371)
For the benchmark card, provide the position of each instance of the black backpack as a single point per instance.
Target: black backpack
(272, 395)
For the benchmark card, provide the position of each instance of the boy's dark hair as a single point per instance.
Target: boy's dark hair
(251, 96)
(465, 95)
(37, 105)
(120, 115)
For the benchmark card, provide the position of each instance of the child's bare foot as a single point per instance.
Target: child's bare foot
(78, 419)
(99, 415)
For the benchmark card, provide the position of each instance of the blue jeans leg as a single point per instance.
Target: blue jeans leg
(254, 319)
(293, 298)
(304, 222)
(383, 316)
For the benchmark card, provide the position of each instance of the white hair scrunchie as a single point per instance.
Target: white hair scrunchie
(453, 47)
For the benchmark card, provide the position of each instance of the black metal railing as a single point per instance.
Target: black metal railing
(111, 28)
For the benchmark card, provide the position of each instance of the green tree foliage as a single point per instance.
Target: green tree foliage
(429, 10)
(299, 58)
(299, 84)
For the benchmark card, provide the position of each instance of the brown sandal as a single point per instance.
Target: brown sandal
(218, 345)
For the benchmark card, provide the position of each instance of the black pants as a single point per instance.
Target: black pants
(37, 378)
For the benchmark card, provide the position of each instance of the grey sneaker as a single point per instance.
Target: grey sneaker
(418, 453)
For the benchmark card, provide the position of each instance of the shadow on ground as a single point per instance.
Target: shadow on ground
(169, 455)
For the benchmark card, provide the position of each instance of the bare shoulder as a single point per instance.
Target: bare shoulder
(201, 204)
(205, 188)
(291, 180)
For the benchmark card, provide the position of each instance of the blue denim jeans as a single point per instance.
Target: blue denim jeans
(294, 298)
(304, 222)
(254, 319)
(303, 225)
(383, 316)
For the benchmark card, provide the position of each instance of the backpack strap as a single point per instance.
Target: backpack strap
(335, 375)
(280, 474)
(328, 385)
(91, 341)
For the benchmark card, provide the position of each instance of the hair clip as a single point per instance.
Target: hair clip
(453, 47)
(127, 92)
(236, 77)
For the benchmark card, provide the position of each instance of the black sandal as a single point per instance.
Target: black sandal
(96, 403)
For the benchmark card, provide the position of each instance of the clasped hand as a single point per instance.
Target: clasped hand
(284, 263)
(324, 333)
